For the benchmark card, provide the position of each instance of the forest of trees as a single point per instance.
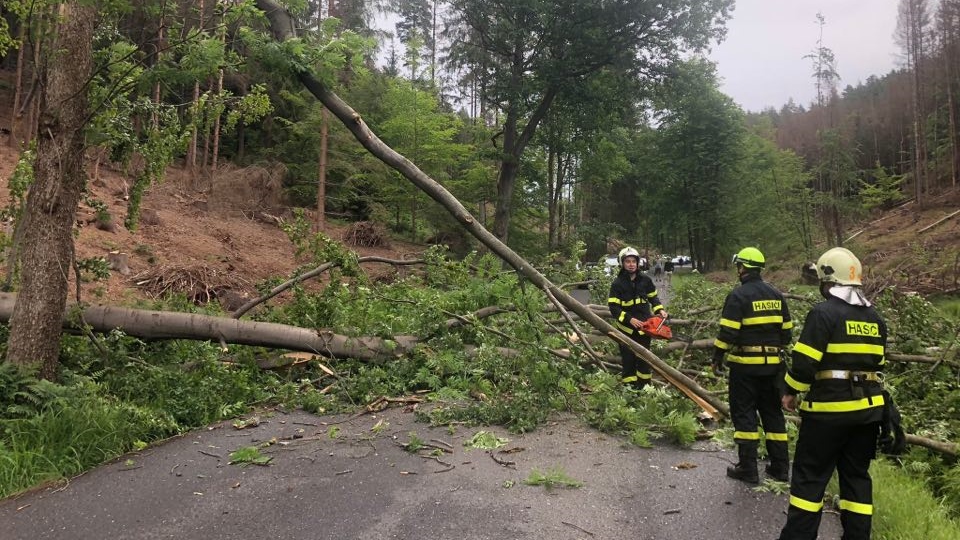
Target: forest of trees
(558, 124)
(555, 122)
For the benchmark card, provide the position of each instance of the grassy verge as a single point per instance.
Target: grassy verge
(905, 509)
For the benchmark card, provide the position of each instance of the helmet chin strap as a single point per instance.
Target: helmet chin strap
(825, 287)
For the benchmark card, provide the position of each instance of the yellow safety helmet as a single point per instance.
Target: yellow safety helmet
(750, 258)
(628, 252)
(839, 265)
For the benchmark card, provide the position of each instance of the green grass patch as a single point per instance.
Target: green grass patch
(905, 510)
(949, 306)
(65, 439)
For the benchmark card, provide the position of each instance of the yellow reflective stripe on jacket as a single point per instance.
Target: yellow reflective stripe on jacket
(747, 435)
(856, 508)
(753, 360)
(624, 328)
(842, 406)
(752, 321)
(624, 303)
(855, 348)
(807, 350)
(804, 504)
(795, 384)
(657, 307)
(730, 324)
(787, 325)
(721, 344)
(771, 436)
(652, 294)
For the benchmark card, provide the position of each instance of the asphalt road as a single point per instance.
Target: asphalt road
(363, 485)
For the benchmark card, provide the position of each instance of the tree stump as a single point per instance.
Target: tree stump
(118, 261)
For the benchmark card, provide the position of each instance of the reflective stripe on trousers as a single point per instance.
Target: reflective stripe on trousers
(821, 448)
(633, 367)
(752, 396)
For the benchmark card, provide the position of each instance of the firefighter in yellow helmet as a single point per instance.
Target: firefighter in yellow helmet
(836, 364)
(633, 299)
(755, 327)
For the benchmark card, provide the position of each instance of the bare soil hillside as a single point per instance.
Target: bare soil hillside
(214, 231)
(916, 247)
(209, 232)
(913, 247)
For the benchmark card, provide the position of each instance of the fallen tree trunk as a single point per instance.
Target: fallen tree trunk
(948, 448)
(147, 324)
(283, 28)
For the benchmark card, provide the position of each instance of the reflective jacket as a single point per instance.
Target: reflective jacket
(635, 298)
(755, 326)
(837, 361)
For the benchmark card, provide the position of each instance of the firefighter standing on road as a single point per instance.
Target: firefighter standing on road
(755, 327)
(633, 299)
(836, 362)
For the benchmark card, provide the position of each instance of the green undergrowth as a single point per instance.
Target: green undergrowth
(905, 509)
(122, 394)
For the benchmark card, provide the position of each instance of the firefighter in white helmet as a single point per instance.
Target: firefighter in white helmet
(633, 299)
(836, 365)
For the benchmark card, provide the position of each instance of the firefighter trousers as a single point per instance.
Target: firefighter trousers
(754, 401)
(635, 370)
(821, 448)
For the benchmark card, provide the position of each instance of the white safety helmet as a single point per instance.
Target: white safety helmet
(628, 252)
(839, 265)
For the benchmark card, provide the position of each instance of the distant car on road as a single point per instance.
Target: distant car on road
(610, 265)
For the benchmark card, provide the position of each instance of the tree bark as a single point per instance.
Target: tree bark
(282, 25)
(13, 141)
(47, 247)
(322, 172)
(513, 146)
(147, 324)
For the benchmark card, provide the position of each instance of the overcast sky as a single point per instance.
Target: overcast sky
(761, 61)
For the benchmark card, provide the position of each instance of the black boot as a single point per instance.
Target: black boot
(778, 471)
(746, 469)
(779, 467)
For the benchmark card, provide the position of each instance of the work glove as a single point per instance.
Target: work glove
(717, 365)
(892, 440)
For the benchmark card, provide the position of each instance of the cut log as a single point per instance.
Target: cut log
(118, 261)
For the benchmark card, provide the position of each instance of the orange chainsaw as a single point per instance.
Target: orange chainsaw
(656, 327)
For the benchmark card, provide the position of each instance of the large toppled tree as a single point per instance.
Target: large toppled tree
(283, 28)
(523, 54)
